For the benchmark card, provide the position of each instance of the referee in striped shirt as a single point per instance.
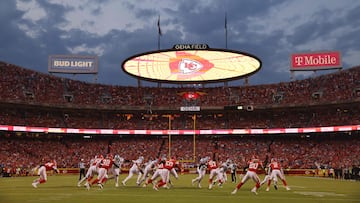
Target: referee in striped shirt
(82, 168)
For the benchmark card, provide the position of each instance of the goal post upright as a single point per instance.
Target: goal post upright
(194, 139)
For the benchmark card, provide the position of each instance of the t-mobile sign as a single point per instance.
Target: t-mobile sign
(316, 60)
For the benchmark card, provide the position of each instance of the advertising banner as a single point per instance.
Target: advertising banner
(73, 64)
(315, 61)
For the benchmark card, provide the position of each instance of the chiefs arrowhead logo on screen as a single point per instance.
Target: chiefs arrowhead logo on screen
(186, 65)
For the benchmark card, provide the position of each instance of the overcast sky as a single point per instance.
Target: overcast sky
(31, 30)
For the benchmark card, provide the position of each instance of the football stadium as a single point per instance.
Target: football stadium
(52, 126)
(182, 123)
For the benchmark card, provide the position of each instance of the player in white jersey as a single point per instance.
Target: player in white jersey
(266, 178)
(201, 170)
(116, 169)
(149, 169)
(221, 176)
(254, 164)
(135, 169)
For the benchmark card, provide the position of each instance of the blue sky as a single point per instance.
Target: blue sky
(31, 30)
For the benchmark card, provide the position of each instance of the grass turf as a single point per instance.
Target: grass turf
(63, 188)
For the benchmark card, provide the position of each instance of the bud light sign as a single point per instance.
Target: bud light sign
(316, 61)
(73, 64)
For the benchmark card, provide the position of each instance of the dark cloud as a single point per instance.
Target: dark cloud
(182, 23)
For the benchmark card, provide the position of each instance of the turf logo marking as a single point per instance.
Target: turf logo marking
(320, 194)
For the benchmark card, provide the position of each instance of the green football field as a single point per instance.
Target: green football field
(62, 188)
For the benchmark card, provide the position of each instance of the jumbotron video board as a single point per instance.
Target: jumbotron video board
(191, 63)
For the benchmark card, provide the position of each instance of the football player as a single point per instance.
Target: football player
(201, 170)
(116, 168)
(135, 169)
(92, 171)
(50, 165)
(253, 164)
(276, 171)
(149, 169)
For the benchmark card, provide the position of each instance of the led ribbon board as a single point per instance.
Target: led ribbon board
(191, 63)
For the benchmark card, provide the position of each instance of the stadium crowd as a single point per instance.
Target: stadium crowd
(281, 118)
(21, 152)
(31, 98)
(20, 84)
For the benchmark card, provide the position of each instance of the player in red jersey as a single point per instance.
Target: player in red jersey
(254, 165)
(163, 172)
(212, 166)
(92, 171)
(51, 165)
(171, 164)
(103, 168)
(276, 171)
